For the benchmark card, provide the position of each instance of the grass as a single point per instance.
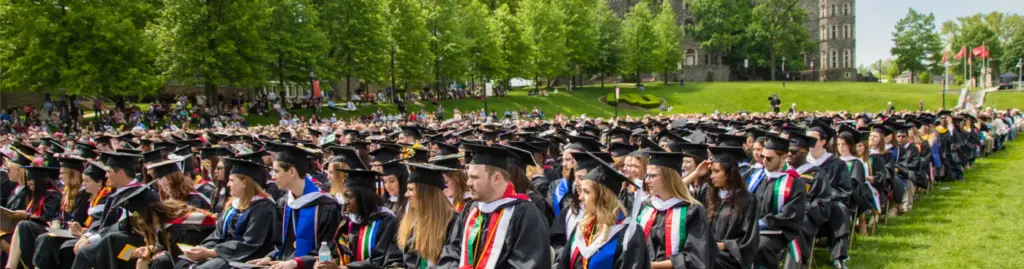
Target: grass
(1005, 100)
(973, 224)
(697, 97)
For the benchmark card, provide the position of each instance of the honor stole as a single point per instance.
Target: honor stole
(675, 227)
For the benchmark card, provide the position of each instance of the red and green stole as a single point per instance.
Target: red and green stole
(675, 227)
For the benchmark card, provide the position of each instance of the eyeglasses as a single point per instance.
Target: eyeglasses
(651, 176)
(767, 159)
(795, 151)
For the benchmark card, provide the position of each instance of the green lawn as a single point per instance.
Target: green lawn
(703, 97)
(973, 224)
(1005, 100)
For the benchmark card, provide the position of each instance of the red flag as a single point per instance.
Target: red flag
(945, 57)
(969, 57)
(979, 51)
(963, 51)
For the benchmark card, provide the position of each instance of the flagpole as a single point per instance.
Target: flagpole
(945, 80)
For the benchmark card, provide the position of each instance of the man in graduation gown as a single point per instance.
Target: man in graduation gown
(781, 203)
(522, 158)
(309, 216)
(908, 160)
(833, 170)
(817, 197)
(503, 229)
(120, 175)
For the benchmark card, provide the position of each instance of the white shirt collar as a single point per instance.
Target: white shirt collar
(662, 205)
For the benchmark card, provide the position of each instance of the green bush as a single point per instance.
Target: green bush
(634, 99)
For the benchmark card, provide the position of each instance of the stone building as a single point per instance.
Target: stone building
(830, 25)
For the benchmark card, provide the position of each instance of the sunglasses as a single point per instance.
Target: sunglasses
(795, 151)
(767, 159)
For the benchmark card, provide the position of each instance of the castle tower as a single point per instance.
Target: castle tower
(830, 23)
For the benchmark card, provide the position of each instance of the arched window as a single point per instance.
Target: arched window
(849, 31)
(691, 57)
(834, 30)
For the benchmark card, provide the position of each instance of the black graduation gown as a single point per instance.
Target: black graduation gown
(779, 226)
(58, 252)
(17, 200)
(542, 206)
(540, 184)
(524, 243)
(383, 227)
(244, 236)
(7, 186)
(116, 236)
(328, 218)
(861, 198)
(613, 254)
(207, 190)
(187, 234)
(908, 164)
(738, 231)
(819, 206)
(877, 167)
(274, 191)
(841, 188)
(698, 249)
(413, 260)
(197, 200)
(28, 232)
(79, 211)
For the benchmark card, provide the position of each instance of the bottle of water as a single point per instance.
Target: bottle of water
(325, 252)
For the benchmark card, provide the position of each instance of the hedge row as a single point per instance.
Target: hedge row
(644, 100)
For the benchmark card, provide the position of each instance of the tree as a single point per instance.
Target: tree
(670, 37)
(214, 42)
(408, 41)
(1014, 51)
(295, 41)
(917, 46)
(638, 41)
(971, 32)
(508, 32)
(78, 46)
(609, 51)
(445, 22)
(355, 32)
(580, 33)
(720, 25)
(545, 36)
(777, 31)
(483, 49)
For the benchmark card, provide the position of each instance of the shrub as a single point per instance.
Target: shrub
(641, 100)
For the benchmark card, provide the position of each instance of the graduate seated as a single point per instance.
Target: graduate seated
(247, 228)
(368, 241)
(42, 202)
(173, 184)
(48, 247)
(673, 222)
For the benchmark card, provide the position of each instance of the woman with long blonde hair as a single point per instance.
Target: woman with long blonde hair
(429, 215)
(246, 227)
(674, 223)
(602, 238)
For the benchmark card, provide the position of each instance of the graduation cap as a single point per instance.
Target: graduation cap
(672, 160)
(412, 131)
(801, 140)
(103, 139)
(420, 155)
(361, 178)
(290, 153)
(55, 146)
(776, 142)
(186, 150)
(590, 160)
(359, 145)
(847, 129)
(446, 149)
(521, 157)
(127, 150)
(608, 176)
(669, 136)
(450, 161)
(620, 149)
(41, 173)
(727, 154)
(649, 145)
(141, 199)
(21, 158)
(620, 133)
(72, 162)
(386, 152)
(731, 140)
(425, 173)
(165, 145)
(208, 152)
(789, 129)
(164, 168)
(349, 156)
(393, 167)
(97, 171)
(254, 170)
(256, 156)
(699, 151)
(582, 143)
(121, 160)
(823, 129)
(315, 132)
(485, 155)
(754, 132)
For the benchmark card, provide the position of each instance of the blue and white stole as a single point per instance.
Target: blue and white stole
(755, 179)
(560, 191)
(301, 219)
(600, 253)
(242, 216)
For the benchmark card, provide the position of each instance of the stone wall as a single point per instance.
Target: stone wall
(704, 72)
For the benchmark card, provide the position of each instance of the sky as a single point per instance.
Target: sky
(876, 19)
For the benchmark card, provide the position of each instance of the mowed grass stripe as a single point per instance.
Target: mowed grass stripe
(975, 223)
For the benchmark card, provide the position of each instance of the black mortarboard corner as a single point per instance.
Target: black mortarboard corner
(521, 157)
(127, 150)
(206, 153)
(412, 131)
(620, 149)
(800, 140)
(72, 162)
(618, 132)
(289, 153)
(86, 150)
(846, 128)
(649, 145)
(754, 132)
(361, 178)
(727, 154)
(699, 151)
(883, 129)
(164, 168)
(140, 199)
(728, 140)
(386, 153)
(583, 143)
(121, 160)
(491, 156)
(450, 161)
(348, 156)
(41, 173)
(152, 156)
(672, 160)
(254, 156)
(425, 173)
(590, 160)
(608, 176)
(165, 145)
(55, 146)
(96, 171)
(823, 129)
(446, 149)
(20, 158)
(420, 155)
(253, 170)
(776, 142)
(394, 167)
(186, 150)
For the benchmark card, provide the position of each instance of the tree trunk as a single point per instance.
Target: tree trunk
(664, 77)
(912, 76)
(211, 94)
(772, 60)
